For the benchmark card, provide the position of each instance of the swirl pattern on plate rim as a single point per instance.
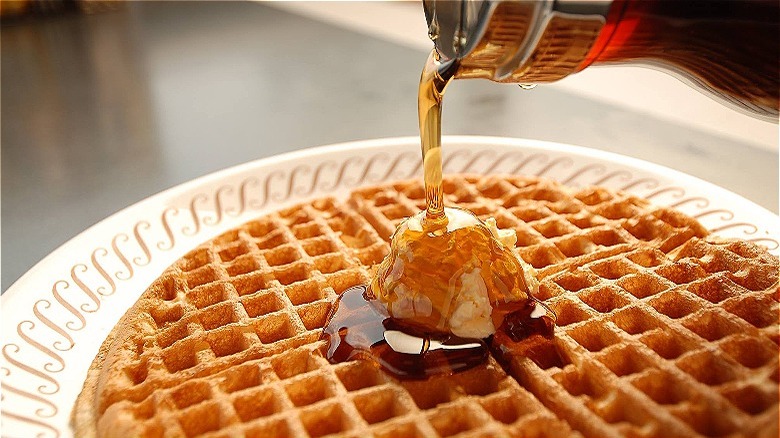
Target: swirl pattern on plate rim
(254, 193)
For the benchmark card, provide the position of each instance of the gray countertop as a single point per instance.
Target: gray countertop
(101, 111)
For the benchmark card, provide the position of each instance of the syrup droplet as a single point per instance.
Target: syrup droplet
(433, 28)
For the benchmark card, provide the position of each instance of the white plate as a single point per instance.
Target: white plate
(56, 316)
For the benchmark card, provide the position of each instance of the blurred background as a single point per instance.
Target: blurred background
(107, 103)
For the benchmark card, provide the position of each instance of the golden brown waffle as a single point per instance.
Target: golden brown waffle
(663, 346)
(661, 333)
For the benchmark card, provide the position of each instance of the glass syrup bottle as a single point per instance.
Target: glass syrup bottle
(728, 48)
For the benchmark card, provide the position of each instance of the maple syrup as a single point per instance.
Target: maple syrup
(360, 328)
(433, 82)
(449, 283)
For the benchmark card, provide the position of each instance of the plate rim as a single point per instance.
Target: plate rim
(374, 144)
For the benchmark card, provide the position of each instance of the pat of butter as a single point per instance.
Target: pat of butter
(472, 315)
(471, 318)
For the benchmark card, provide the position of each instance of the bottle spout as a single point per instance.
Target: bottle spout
(456, 26)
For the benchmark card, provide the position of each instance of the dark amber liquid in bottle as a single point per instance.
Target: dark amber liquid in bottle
(729, 47)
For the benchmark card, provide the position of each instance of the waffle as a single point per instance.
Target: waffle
(662, 331)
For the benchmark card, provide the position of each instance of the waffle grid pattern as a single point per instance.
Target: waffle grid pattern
(554, 227)
(657, 337)
(255, 292)
(653, 348)
(659, 333)
(228, 346)
(298, 393)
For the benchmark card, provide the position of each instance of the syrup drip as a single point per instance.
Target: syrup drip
(360, 328)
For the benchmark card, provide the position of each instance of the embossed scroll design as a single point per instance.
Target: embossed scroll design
(72, 301)
(47, 333)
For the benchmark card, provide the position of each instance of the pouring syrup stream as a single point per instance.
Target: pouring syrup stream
(401, 321)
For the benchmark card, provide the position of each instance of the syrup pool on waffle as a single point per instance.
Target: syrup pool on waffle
(450, 282)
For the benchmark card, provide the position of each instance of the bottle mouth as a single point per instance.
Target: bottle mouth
(456, 26)
(515, 40)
